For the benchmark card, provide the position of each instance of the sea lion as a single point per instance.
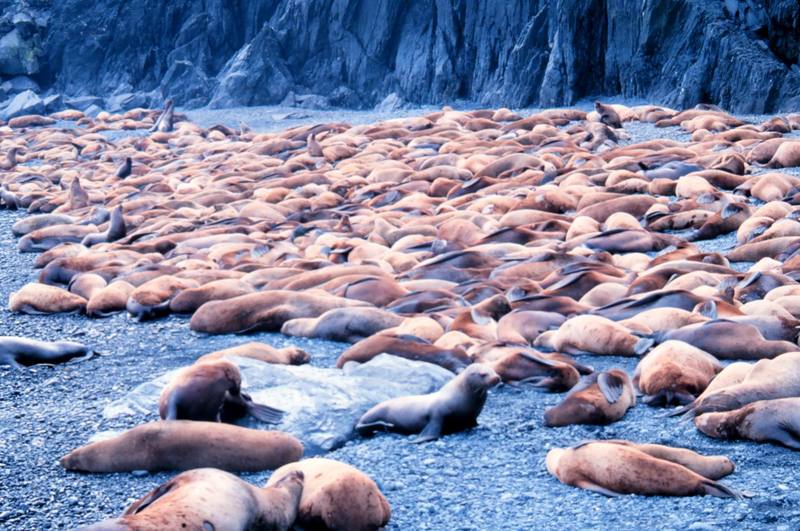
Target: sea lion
(336, 496)
(35, 298)
(674, 373)
(186, 444)
(526, 366)
(189, 300)
(599, 398)
(210, 499)
(729, 340)
(776, 420)
(455, 407)
(594, 335)
(111, 299)
(261, 352)
(410, 347)
(124, 169)
(23, 352)
(522, 326)
(343, 324)
(611, 468)
(211, 391)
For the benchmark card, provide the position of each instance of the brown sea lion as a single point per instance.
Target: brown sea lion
(336, 496)
(729, 340)
(23, 352)
(776, 420)
(186, 444)
(674, 373)
(152, 299)
(594, 335)
(189, 300)
(410, 347)
(111, 299)
(612, 469)
(455, 407)
(37, 298)
(599, 398)
(211, 391)
(522, 326)
(210, 499)
(343, 324)
(526, 366)
(261, 352)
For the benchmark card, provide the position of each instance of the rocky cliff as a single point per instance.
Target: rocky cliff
(741, 54)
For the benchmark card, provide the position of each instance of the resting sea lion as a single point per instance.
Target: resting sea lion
(674, 373)
(343, 324)
(775, 420)
(405, 346)
(261, 352)
(186, 444)
(37, 298)
(727, 340)
(595, 335)
(455, 407)
(599, 398)
(21, 351)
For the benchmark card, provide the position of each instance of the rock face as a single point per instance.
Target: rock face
(741, 54)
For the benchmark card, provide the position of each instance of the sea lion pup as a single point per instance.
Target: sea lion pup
(762, 421)
(186, 444)
(265, 310)
(608, 115)
(124, 169)
(209, 499)
(24, 352)
(674, 373)
(109, 300)
(728, 340)
(599, 398)
(163, 123)
(453, 408)
(405, 346)
(116, 230)
(336, 496)
(349, 325)
(261, 352)
(766, 380)
(35, 298)
(614, 468)
(211, 391)
(592, 334)
(189, 300)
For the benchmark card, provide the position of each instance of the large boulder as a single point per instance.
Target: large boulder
(186, 84)
(17, 84)
(18, 55)
(82, 103)
(26, 102)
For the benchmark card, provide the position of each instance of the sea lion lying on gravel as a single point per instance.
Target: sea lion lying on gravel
(186, 444)
(261, 352)
(207, 498)
(23, 352)
(455, 407)
(619, 467)
(775, 420)
(674, 373)
(336, 496)
(599, 398)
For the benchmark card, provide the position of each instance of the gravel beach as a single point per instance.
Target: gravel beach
(492, 477)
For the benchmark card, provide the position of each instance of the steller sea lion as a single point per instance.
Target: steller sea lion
(209, 499)
(594, 335)
(211, 391)
(23, 352)
(261, 352)
(343, 324)
(674, 373)
(599, 398)
(336, 496)
(613, 468)
(776, 420)
(726, 339)
(455, 407)
(186, 444)
(405, 346)
(35, 298)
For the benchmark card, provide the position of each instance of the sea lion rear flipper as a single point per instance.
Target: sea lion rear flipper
(611, 386)
(588, 485)
(789, 435)
(719, 490)
(432, 431)
(264, 413)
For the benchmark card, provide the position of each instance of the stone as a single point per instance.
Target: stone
(17, 84)
(92, 110)
(18, 56)
(26, 102)
(127, 100)
(53, 103)
(82, 103)
(186, 84)
(392, 102)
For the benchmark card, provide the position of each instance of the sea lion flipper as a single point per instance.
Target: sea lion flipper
(264, 413)
(588, 485)
(368, 428)
(432, 431)
(149, 498)
(719, 490)
(611, 386)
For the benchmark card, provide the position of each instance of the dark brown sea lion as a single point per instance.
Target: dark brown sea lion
(210, 391)
(611, 468)
(729, 340)
(23, 352)
(186, 444)
(599, 398)
(336, 496)
(455, 407)
(209, 499)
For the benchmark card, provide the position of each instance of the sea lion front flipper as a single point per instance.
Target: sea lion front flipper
(611, 386)
(371, 427)
(432, 431)
(261, 412)
(588, 485)
(149, 498)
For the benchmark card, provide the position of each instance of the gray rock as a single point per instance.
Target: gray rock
(186, 84)
(18, 56)
(126, 101)
(82, 103)
(53, 103)
(92, 110)
(392, 102)
(26, 102)
(17, 84)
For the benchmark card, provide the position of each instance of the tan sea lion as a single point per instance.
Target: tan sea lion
(186, 444)
(211, 391)
(776, 420)
(410, 347)
(261, 352)
(189, 300)
(599, 398)
(37, 298)
(336, 496)
(111, 299)
(595, 335)
(727, 339)
(674, 373)
(210, 499)
(455, 407)
(343, 324)
(612, 469)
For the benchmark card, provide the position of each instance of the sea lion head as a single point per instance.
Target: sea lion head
(480, 377)
(551, 461)
(297, 356)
